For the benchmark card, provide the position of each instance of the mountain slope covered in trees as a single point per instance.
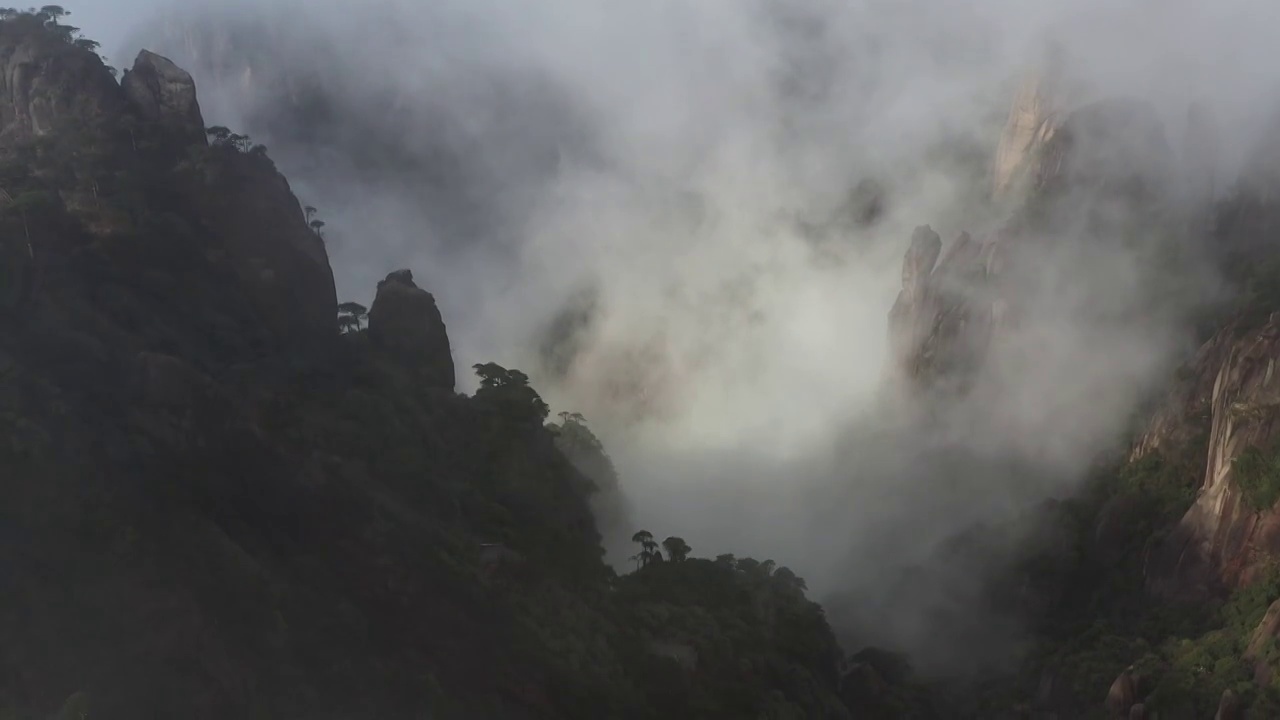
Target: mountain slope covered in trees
(223, 497)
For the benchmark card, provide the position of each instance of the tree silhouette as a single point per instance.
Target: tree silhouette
(649, 551)
(677, 549)
(789, 578)
(509, 392)
(350, 315)
(585, 451)
(221, 136)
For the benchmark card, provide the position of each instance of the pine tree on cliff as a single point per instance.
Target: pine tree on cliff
(350, 315)
(509, 392)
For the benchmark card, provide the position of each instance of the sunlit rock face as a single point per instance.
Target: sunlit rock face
(1232, 532)
(1222, 409)
(1032, 122)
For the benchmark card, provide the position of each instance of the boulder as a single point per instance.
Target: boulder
(405, 322)
(164, 93)
(1123, 695)
(1264, 637)
(1229, 707)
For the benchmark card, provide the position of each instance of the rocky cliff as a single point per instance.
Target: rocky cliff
(1033, 120)
(46, 78)
(165, 94)
(1226, 396)
(1094, 178)
(1192, 515)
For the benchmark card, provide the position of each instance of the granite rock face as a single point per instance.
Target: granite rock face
(248, 220)
(1224, 405)
(1230, 535)
(164, 93)
(405, 321)
(941, 324)
(1084, 176)
(46, 81)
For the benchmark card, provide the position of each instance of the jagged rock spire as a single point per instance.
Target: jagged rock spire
(165, 94)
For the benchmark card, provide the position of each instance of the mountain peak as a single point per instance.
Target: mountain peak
(165, 94)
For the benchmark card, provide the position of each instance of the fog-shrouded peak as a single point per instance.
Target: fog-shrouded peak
(687, 221)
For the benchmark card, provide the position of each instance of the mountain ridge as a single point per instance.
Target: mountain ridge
(223, 500)
(224, 505)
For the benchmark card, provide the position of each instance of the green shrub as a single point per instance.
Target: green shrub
(1258, 476)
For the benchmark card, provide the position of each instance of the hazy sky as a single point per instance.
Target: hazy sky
(109, 22)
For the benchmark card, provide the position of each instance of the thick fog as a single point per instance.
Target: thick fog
(667, 213)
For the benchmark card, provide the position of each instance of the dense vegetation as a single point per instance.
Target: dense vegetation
(1258, 475)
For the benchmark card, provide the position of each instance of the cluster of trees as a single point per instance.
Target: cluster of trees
(350, 317)
(48, 18)
(509, 392)
(581, 446)
(220, 136)
(677, 549)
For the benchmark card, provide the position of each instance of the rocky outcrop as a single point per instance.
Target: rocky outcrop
(405, 321)
(1125, 695)
(247, 206)
(1233, 528)
(1112, 151)
(1088, 179)
(1262, 644)
(942, 322)
(165, 94)
(1032, 123)
(121, 141)
(910, 317)
(45, 80)
(1229, 707)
